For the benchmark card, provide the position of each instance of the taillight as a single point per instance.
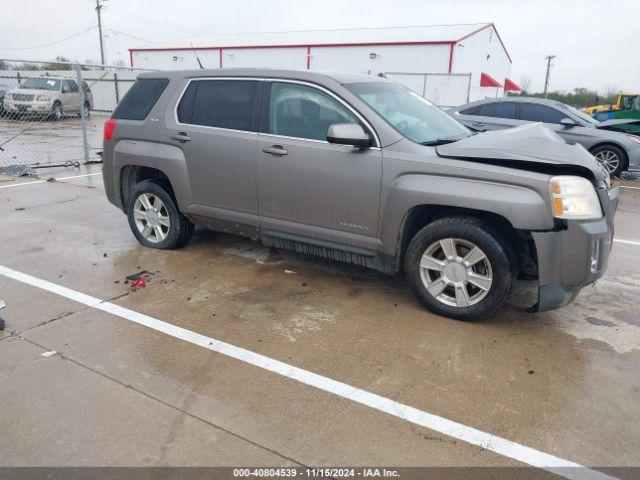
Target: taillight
(109, 128)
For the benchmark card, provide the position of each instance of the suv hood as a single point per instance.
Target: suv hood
(528, 147)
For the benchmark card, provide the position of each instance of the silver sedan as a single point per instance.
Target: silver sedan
(612, 143)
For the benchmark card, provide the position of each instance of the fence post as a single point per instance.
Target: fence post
(83, 114)
(115, 82)
(19, 80)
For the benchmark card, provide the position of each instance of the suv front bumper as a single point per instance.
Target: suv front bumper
(571, 258)
(27, 107)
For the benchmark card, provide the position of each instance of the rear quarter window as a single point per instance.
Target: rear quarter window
(471, 111)
(140, 99)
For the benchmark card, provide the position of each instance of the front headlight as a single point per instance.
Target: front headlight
(43, 98)
(574, 198)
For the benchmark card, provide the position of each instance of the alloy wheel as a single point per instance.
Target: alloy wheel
(456, 272)
(151, 217)
(609, 160)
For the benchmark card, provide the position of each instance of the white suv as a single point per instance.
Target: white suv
(50, 96)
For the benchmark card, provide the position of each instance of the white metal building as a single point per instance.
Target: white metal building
(448, 64)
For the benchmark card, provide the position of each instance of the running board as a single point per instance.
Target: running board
(319, 248)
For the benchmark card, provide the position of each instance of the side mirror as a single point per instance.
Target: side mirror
(567, 122)
(349, 134)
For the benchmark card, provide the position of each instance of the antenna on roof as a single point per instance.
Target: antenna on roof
(196, 54)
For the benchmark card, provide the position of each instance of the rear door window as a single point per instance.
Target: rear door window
(533, 112)
(229, 104)
(185, 107)
(140, 99)
(498, 110)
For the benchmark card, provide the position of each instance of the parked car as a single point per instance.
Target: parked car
(50, 96)
(3, 90)
(617, 151)
(360, 169)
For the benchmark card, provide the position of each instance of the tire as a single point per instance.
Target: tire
(613, 158)
(57, 112)
(174, 231)
(446, 289)
(87, 111)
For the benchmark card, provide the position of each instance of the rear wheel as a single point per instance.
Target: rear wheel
(87, 111)
(612, 158)
(56, 112)
(459, 268)
(154, 217)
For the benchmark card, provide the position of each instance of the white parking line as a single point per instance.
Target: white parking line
(627, 242)
(45, 181)
(437, 423)
(632, 188)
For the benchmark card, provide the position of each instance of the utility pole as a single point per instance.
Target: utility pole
(546, 80)
(98, 9)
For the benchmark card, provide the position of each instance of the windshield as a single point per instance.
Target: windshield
(413, 116)
(626, 102)
(582, 115)
(41, 84)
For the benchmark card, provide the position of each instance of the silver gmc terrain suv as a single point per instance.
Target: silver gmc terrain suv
(360, 169)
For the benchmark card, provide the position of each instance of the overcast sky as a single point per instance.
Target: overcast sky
(593, 39)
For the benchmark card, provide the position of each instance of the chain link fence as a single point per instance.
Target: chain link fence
(51, 114)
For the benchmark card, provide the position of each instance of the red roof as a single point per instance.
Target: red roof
(487, 80)
(510, 85)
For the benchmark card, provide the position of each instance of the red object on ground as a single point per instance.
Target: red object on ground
(510, 85)
(487, 80)
(138, 283)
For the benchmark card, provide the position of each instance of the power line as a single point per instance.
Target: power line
(43, 18)
(52, 43)
(129, 35)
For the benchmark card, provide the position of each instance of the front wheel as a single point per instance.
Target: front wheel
(610, 157)
(458, 268)
(154, 217)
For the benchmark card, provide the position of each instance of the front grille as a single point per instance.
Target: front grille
(22, 97)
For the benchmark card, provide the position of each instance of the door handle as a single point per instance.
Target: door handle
(275, 150)
(478, 124)
(181, 137)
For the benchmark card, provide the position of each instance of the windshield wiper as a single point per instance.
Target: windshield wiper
(440, 141)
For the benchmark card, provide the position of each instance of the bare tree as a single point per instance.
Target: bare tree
(61, 63)
(525, 83)
(611, 92)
